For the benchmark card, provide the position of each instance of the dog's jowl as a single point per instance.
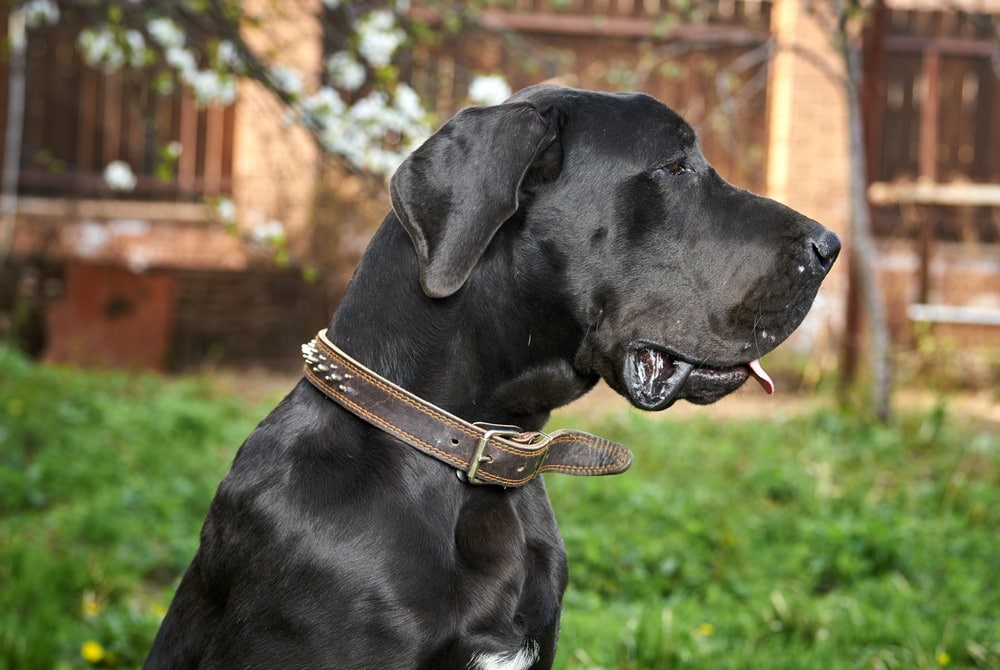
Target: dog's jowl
(387, 513)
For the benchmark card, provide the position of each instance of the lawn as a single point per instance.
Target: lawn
(817, 540)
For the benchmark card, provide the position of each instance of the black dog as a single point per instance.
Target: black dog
(562, 237)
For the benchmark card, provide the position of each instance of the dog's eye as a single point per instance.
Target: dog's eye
(675, 169)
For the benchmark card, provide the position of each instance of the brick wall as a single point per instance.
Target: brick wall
(808, 166)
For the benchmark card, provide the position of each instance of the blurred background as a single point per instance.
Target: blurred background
(186, 187)
(193, 184)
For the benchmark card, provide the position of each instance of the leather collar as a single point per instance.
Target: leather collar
(481, 453)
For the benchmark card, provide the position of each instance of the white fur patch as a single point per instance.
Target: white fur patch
(522, 659)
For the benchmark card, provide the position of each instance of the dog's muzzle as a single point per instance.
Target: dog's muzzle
(654, 379)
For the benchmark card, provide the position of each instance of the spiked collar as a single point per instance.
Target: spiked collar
(481, 453)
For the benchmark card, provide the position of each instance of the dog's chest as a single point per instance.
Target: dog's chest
(520, 659)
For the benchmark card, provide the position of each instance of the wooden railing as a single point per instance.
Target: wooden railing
(932, 120)
(78, 119)
(930, 194)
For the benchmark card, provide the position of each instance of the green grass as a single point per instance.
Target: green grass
(820, 541)
(816, 541)
(104, 480)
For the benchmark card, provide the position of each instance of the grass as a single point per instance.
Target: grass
(821, 540)
(104, 479)
(818, 541)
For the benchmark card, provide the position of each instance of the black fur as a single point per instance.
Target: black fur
(552, 234)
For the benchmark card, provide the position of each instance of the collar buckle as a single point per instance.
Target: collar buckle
(536, 439)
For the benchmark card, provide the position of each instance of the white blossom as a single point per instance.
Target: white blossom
(489, 90)
(226, 55)
(378, 131)
(181, 60)
(344, 71)
(407, 102)
(99, 48)
(90, 238)
(370, 108)
(138, 260)
(373, 134)
(119, 176)
(173, 150)
(210, 87)
(165, 32)
(287, 80)
(225, 210)
(379, 37)
(136, 47)
(322, 105)
(40, 12)
(272, 232)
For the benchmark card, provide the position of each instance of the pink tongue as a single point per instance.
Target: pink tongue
(757, 370)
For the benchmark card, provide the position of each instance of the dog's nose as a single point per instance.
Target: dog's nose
(826, 246)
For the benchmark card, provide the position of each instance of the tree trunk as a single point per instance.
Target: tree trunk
(863, 255)
(13, 134)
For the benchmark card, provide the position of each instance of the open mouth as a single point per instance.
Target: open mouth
(655, 379)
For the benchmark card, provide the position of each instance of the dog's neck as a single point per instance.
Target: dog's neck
(514, 348)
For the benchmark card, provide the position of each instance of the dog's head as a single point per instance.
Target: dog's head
(678, 282)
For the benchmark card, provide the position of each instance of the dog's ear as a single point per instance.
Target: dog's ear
(454, 192)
